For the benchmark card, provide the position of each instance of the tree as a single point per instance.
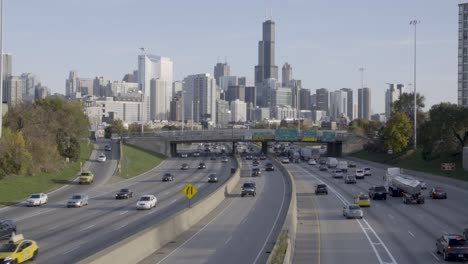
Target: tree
(14, 157)
(115, 127)
(405, 104)
(446, 132)
(397, 132)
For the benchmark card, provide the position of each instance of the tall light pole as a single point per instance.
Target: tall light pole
(1, 67)
(415, 23)
(362, 69)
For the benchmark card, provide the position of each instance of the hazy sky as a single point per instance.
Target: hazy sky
(324, 41)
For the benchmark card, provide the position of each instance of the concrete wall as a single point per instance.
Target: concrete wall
(290, 223)
(150, 143)
(465, 158)
(146, 242)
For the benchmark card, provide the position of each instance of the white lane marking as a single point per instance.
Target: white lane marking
(368, 226)
(120, 226)
(166, 193)
(274, 224)
(88, 227)
(391, 216)
(411, 234)
(227, 241)
(70, 250)
(124, 212)
(435, 256)
(175, 200)
(203, 228)
(34, 214)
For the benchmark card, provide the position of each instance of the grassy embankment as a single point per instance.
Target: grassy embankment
(139, 161)
(417, 163)
(18, 187)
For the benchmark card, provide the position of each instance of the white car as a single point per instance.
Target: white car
(337, 174)
(359, 174)
(101, 158)
(312, 162)
(367, 171)
(37, 199)
(352, 211)
(285, 161)
(147, 202)
(184, 155)
(423, 185)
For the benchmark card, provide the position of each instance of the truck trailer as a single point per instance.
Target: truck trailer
(400, 185)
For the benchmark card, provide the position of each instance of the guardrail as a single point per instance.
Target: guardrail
(141, 245)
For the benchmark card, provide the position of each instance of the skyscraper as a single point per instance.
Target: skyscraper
(349, 103)
(14, 90)
(322, 97)
(239, 111)
(391, 95)
(221, 69)
(338, 104)
(304, 99)
(364, 103)
(158, 107)
(71, 84)
(266, 67)
(199, 97)
(30, 81)
(8, 66)
(287, 74)
(462, 54)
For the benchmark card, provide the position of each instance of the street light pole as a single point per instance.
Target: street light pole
(183, 114)
(414, 23)
(1, 67)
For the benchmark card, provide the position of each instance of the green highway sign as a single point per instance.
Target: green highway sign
(309, 135)
(328, 136)
(286, 134)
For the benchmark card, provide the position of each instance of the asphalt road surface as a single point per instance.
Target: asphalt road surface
(241, 229)
(67, 235)
(391, 232)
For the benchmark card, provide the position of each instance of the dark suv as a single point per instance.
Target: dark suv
(378, 192)
(269, 167)
(256, 172)
(249, 188)
(452, 247)
(321, 189)
(7, 229)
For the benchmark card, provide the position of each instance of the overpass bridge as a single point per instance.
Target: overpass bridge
(167, 141)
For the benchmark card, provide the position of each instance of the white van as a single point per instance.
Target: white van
(332, 162)
(343, 165)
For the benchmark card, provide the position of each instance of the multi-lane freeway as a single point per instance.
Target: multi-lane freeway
(241, 230)
(391, 232)
(67, 235)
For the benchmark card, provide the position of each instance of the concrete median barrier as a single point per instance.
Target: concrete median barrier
(139, 246)
(290, 224)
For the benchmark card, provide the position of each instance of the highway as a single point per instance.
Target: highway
(240, 230)
(391, 232)
(67, 235)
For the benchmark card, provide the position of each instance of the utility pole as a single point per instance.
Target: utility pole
(1, 68)
(362, 69)
(415, 23)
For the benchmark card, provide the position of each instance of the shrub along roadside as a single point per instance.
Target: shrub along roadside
(14, 188)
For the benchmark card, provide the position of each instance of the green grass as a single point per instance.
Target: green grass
(18, 187)
(416, 162)
(280, 251)
(139, 161)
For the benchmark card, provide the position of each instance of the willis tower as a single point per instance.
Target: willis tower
(266, 67)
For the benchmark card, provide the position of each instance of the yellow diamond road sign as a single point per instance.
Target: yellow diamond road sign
(189, 190)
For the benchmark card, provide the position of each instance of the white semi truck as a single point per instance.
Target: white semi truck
(401, 185)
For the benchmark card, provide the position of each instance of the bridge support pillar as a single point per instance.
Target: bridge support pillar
(265, 147)
(334, 149)
(173, 149)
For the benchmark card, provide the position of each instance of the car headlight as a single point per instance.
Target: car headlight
(8, 258)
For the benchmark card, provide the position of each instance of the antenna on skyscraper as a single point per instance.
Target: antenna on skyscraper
(143, 51)
(271, 13)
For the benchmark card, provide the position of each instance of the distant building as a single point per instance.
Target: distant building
(238, 111)
(177, 87)
(223, 114)
(379, 117)
(199, 97)
(102, 87)
(236, 92)
(131, 77)
(318, 115)
(128, 110)
(281, 112)
(392, 94)
(322, 99)
(13, 91)
(266, 67)
(226, 81)
(71, 84)
(364, 103)
(313, 102)
(304, 99)
(264, 92)
(158, 107)
(221, 69)
(338, 104)
(349, 103)
(30, 81)
(262, 113)
(282, 97)
(287, 74)
(41, 92)
(176, 107)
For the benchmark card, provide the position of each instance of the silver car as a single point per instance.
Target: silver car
(352, 211)
(78, 200)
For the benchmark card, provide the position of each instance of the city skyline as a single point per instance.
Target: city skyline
(300, 39)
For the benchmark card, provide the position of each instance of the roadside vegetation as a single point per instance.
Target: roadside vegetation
(280, 252)
(41, 147)
(136, 161)
(442, 134)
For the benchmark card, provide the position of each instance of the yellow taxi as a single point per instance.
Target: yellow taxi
(18, 250)
(362, 200)
(86, 177)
